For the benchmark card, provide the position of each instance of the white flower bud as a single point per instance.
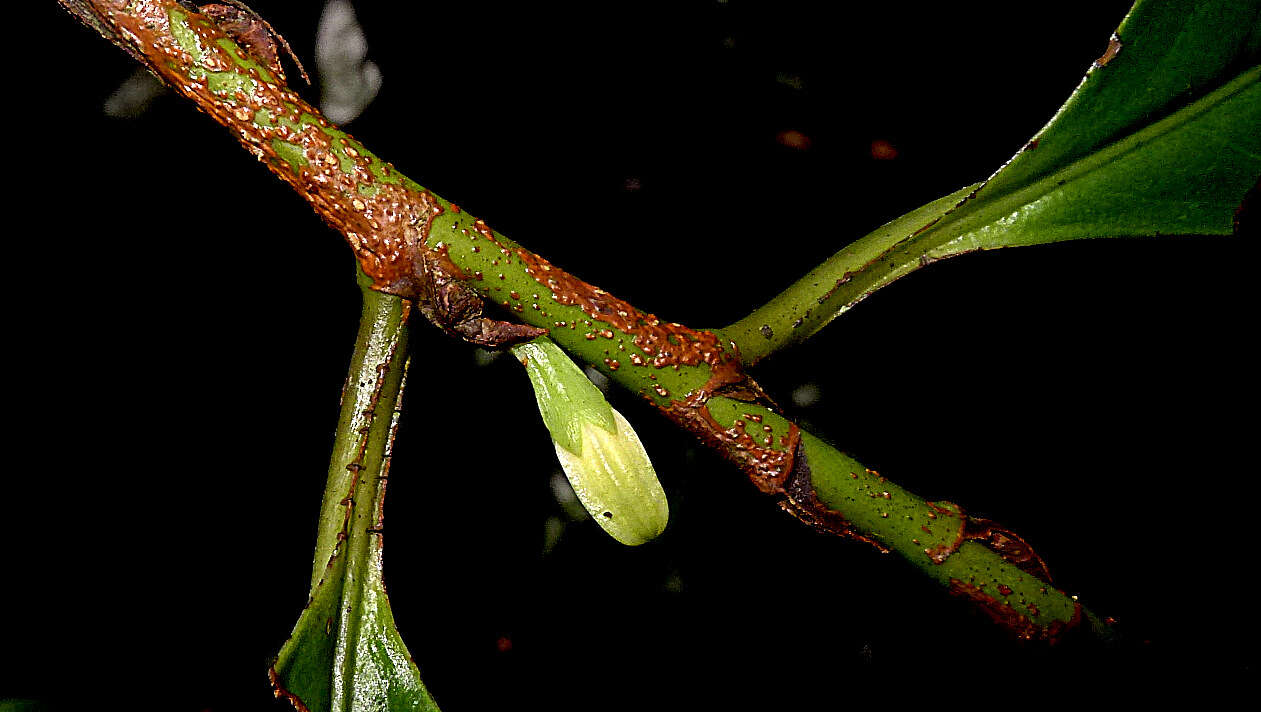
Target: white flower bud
(603, 458)
(616, 483)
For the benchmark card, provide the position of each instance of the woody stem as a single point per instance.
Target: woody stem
(400, 231)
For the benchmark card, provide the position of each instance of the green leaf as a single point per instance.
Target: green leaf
(345, 653)
(1185, 174)
(1159, 138)
(1164, 55)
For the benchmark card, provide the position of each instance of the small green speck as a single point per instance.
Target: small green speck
(244, 60)
(184, 34)
(229, 83)
(378, 169)
(292, 153)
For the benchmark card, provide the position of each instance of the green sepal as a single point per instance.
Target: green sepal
(565, 395)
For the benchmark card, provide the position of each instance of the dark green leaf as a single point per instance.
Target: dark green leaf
(1160, 137)
(1163, 56)
(1184, 174)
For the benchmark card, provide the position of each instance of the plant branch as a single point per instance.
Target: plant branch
(412, 243)
(365, 427)
(830, 289)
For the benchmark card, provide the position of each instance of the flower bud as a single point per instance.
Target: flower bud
(603, 458)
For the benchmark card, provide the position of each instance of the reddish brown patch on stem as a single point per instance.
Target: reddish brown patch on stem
(484, 230)
(767, 467)
(385, 220)
(665, 343)
(1013, 620)
(823, 298)
(1007, 544)
(442, 259)
(803, 502)
(1002, 541)
(385, 229)
(944, 512)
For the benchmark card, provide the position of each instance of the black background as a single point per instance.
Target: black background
(179, 324)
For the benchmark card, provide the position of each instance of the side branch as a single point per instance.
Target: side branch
(830, 289)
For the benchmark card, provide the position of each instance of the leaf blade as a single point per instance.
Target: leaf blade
(1164, 54)
(1166, 179)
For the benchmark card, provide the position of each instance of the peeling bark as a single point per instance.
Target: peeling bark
(801, 501)
(1012, 618)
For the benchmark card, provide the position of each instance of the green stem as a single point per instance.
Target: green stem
(830, 289)
(345, 653)
(365, 426)
(415, 243)
(831, 490)
(973, 558)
